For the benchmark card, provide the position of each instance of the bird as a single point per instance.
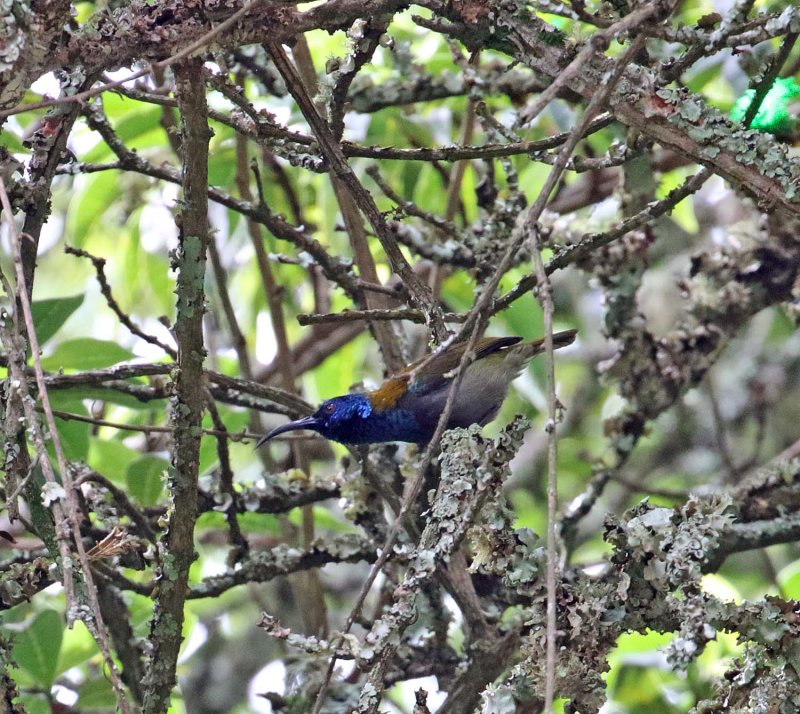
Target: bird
(408, 405)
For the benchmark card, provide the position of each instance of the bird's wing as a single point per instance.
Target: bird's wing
(434, 371)
(431, 372)
(530, 349)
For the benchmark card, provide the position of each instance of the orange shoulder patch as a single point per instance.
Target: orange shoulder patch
(386, 396)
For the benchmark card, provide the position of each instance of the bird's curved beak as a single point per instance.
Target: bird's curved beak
(309, 422)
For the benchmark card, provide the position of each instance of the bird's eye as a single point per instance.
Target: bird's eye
(330, 408)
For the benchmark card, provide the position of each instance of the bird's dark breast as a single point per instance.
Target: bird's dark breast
(390, 425)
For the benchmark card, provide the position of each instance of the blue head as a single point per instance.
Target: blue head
(352, 419)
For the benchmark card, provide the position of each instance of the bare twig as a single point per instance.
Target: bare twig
(544, 293)
(409, 499)
(308, 587)
(333, 153)
(68, 520)
(105, 288)
(187, 51)
(384, 334)
(150, 428)
(353, 315)
(598, 41)
(591, 242)
(238, 541)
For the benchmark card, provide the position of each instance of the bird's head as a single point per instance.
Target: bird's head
(340, 419)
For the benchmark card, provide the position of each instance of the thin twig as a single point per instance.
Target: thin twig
(409, 499)
(545, 297)
(599, 40)
(307, 587)
(72, 518)
(402, 313)
(276, 135)
(720, 435)
(237, 539)
(768, 78)
(150, 429)
(384, 334)
(123, 502)
(105, 288)
(544, 293)
(332, 151)
(187, 51)
(592, 242)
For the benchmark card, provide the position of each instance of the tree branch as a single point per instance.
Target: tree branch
(177, 546)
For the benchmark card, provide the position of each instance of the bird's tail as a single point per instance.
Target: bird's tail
(528, 350)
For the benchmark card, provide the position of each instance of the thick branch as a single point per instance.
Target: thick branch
(177, 546)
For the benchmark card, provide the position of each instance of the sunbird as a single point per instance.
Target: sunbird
(407, 406)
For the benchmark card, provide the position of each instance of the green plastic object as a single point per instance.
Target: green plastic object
(778, 114)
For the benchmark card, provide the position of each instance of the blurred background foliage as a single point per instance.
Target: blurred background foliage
(743, 414)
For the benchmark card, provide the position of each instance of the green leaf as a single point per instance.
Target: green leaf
(323, 519)
(722, 588)
(96, 695)
(145, 283)
(531, 178)
(35, 703)
(459, 291)
(528, 510)
(36, 648)
(429, 194)
(524, 317)
(644, 689)
(789, 580)
(11, 142)
(128, 126)
(145, 479)
(49, 315)
(88, 206)
(74, 434)
(250, 522)
(111, 458)
(86, 353)
(77, 647)
(221, 166)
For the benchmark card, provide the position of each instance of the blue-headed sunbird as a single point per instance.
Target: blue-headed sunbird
(408, 405)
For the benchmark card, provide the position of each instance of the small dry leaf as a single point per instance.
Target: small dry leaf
(116, 542)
